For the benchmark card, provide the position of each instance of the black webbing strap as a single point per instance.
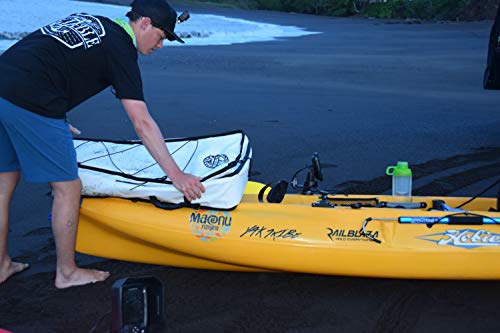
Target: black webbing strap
(171, 206)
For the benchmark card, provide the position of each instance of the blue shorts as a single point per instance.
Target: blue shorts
(40, 147)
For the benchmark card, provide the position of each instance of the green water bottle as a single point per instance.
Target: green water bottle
(401, 181)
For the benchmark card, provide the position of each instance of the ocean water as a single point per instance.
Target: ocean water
(22, 17)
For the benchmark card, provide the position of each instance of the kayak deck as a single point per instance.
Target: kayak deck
(293, 236)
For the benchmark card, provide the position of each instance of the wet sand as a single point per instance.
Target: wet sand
(364, 94)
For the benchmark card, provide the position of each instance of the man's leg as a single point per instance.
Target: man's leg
(65, 211)
(8, 182)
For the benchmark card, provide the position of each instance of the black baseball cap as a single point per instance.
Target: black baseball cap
(162, 15)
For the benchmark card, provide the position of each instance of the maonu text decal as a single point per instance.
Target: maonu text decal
(465, 238)
(209, 225)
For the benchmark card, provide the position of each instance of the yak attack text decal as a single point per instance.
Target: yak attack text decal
(465, 238)
(266, 233)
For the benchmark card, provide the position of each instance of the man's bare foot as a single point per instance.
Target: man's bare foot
(9, 268)
(80, 277)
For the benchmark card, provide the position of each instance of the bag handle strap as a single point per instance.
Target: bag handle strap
(172, 206)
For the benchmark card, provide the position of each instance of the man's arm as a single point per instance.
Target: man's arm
(150, 134)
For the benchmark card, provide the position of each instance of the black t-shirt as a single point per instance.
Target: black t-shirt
(59, 66)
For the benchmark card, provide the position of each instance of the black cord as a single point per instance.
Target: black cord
(293, 180)
(192, 155)
(135, 145)
(81, 144)
(367, 234)
(108, 153)
(477, 195)
(92, 330)
(171, 154)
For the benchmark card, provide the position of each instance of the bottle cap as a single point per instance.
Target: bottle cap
(401, 170)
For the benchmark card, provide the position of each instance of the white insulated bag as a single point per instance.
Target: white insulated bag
(125, 169)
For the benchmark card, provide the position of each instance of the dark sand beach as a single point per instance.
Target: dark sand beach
(364, 94)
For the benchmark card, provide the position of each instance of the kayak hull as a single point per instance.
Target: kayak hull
(294, 237)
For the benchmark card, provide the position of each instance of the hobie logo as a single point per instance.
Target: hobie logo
(209, 225)
(465, 238)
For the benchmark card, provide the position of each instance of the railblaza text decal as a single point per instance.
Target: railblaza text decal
(209, 225)
(465, 238)
(263, 232)
(350, 234)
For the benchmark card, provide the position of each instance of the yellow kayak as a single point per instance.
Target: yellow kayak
(350, 238)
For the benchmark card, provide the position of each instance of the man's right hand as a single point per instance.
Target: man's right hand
(189, 185)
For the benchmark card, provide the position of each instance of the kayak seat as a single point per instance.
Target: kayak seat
(277, 192)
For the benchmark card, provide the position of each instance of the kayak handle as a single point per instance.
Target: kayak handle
(368, 234)
(402, 205)
(354, 201)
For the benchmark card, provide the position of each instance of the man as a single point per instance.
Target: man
(47, 74)
(492, 73)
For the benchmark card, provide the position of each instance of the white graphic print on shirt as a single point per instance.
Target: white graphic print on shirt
(76, 30)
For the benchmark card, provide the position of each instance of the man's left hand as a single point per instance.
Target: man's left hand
(74, 130)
